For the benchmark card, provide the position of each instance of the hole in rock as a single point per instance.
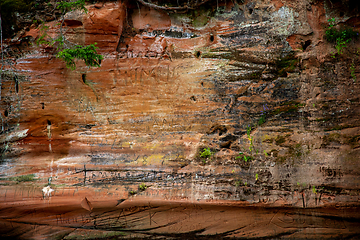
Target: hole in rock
(98, 6)
(202, 84)
(251, 10)
(212, 38)
(197, 54)
(42, 105)
(193, 98)
(72, 23)
(306, 44)
(6, 113)
(226, 144)
(16, 85)
(48, 122)
(83, 77)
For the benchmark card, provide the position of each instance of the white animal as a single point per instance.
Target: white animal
(47, 191)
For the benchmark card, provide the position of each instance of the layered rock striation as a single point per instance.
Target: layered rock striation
(254, 83)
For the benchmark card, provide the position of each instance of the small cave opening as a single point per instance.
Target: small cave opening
(197, 54)
(48, 122)
(72, 23)
(192, 98)
(42, 105)
(251, 11)
(212, 38)
(16, 84)
(16, 87)
(306, 44)
(6, 113)
(83, 77)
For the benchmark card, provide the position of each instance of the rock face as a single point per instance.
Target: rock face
(242, 103)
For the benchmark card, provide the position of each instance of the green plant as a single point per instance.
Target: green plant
(352, 71)
(43, 36)
(246, 158)
(248, 131)
(240, 155)
(339, 36)
(287, 64)
(206, 153)
(314, 190)
(70, 6)
(23, 178)
(132, 192)
(142, 187)
(256, 177)
(262, 120)
(68, 51)
(86, 53)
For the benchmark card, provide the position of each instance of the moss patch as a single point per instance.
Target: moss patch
(287, 64)
(353, 141)
(279, 140)
(287, 107)
(296, 150)
(23, 178)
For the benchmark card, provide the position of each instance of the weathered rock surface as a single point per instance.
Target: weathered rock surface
(255, 82)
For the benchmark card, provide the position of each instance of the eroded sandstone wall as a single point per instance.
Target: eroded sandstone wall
(247, 78)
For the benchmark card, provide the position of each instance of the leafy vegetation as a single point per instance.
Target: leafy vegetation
(287, 64)
(206, 153)
(314, 190)
(23, 178)
(142, 187)
(70, 6)
(245, 157)
(68, 51)
(341, 37)
(86, 53)
(251, 147)
(132, 192)
(262, 120)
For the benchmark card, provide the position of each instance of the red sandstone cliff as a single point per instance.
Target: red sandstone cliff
(246, 78)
